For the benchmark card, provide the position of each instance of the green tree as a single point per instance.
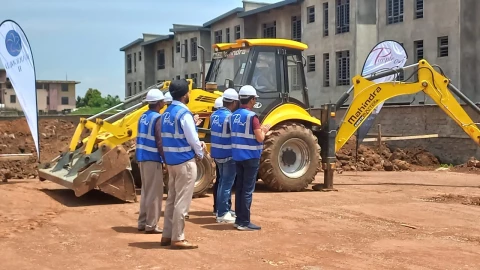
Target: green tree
(93, 98)
(80, 102)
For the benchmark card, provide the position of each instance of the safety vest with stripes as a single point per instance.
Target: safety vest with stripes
(244, 144)
(175, 145)
(221, 142)
(146, 147)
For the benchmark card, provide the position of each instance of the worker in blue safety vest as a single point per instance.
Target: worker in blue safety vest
(247, 143)
(221, 151)
(168, 99)
(216, 105)
(181, 147)
(149, 155)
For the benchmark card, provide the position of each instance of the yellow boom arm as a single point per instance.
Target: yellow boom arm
(368, 95)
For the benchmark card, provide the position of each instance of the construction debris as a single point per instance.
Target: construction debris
(383, 159)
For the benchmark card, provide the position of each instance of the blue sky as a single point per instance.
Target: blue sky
(80, 39)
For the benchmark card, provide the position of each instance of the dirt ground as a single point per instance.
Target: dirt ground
(376, 220)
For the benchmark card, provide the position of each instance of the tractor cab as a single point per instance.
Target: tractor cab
(273, 66)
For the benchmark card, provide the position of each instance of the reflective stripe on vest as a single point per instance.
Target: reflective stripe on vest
(175, 146)
(244, 144)
(146, 147)
(221, 142)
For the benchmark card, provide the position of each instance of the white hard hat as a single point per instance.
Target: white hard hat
(154, 95)
(168, 97)
(218, 103)
(231, 94)
(247, 91)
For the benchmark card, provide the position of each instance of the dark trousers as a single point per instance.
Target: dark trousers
(246, 179)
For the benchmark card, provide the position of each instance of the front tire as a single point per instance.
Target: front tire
(206, 174)
(291, 158)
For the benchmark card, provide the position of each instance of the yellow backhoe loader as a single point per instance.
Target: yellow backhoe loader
(298, 145)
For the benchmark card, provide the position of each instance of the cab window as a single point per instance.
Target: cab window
(264, 77)
(295, 83)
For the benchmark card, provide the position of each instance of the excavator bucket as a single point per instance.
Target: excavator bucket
(108, 170)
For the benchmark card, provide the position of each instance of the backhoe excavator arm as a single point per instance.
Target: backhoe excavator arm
(368, 95)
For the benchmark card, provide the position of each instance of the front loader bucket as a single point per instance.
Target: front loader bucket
(107, 170)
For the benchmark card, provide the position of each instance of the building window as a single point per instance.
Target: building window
(296, 28)
(218, 36)
(139, 86)
(129, 63)
(418, 46)
(194, 78)
(129, 89)
(13, 99)
(64, 100)
(310, 14)
(237, 32)
(270, 30)
(193, 44)
(177, 77)
(134, 62)
(343, 16)
(48, 100)
(325, 19)
(310, 63)
(394, 11)
(326, 69)
(343, 68)
(442, 46)
(161, 59)
(186, 50)
(139, 56)
(186, 76)
(418, 9)
(134, 87)
(173, 57)
(227, 35)
(64, 87)
(177, 46)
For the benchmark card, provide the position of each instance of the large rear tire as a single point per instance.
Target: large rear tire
(206, 174)
(291, 158)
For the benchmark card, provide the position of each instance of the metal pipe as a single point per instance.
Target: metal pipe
(107, 110)
(459, 94)
(204, 84)
(124, 111)
(134, 97)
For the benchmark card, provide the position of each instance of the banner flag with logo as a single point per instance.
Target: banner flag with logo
(16, 56)
(386, 55)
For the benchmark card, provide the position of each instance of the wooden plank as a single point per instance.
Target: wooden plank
(6, 157)
(402, 138)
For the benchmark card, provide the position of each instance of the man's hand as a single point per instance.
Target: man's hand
(164, 167)
(198, 158)
(265, 128)
(197, 120)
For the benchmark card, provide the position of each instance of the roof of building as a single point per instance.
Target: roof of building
(138, 40)
(275, 42)
(187, 28)
(160, 38)
(268, 7)
(223, 16)
(56, 81)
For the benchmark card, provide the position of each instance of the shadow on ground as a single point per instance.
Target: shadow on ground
(94, 197)
(147, 245)
(219, 227)
(126, 229)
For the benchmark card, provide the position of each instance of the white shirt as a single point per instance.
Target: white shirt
(190, 130)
